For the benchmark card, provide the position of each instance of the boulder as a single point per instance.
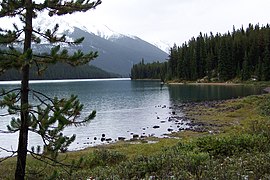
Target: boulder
(121, 138)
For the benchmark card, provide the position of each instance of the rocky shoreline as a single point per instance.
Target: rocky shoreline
(182, 119)
(194, 124)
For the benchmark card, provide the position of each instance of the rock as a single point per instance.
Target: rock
(162, 121)
(121, 138)
(156, 127)
(170, 130)
(102, 139)
(173, 112)
(95, 138)
(158, 117)
(103, 135)
(181, 129)
(108, 139)
(135, 136)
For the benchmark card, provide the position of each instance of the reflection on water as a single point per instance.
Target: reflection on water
(202, 92)
(124, 108)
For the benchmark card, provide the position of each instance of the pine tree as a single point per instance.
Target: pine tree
(173, 60)
(258, 70)
(50, 116)
(266, 64)
(246, 68)
(223, 69)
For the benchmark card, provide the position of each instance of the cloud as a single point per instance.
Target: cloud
(175, 21)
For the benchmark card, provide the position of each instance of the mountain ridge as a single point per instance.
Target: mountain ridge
(117, 52)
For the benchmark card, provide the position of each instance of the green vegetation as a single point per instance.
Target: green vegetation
(236, 145)
(240, 54)
(48, 116)
(155, 70)
(61, 71)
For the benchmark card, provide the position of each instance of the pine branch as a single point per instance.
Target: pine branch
(39, 171)
(11, 58)
(9, 37)
(40, 93)
(8, 151)
(4, 115)
(7, 132)
(60, 7)
(11, 8)
(78, 58)
(51, 161)
(52, 38)
(5, 93)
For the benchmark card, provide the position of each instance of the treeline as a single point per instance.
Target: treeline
(155, 70)
(241, 54)
(61, 71)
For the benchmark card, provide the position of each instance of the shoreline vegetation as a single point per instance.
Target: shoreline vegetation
(229, 139)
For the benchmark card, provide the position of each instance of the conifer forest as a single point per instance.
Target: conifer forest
(242, 54)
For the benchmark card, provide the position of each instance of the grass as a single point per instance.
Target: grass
(239, 148)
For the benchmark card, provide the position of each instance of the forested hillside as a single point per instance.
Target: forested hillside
(241, 54)
(62, 71)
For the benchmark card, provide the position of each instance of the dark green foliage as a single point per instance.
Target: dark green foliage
(154, 70)
(48, 116)
(240, 54)
(246, 68)
(104, 158)
(61, 71)
(210, 157)
(265, 107)
(230, 145)
(266, 65)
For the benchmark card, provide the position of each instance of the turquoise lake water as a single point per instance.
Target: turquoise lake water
(124, 107)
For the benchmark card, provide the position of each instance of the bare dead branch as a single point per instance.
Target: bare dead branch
(5, 93)
(8, 151)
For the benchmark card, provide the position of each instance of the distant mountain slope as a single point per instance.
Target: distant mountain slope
(62, 71)
(118, 54)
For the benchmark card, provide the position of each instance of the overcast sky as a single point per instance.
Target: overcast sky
(176, 21)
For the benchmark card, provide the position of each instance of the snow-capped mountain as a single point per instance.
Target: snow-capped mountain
(117, 52)
(165, 46)
(67, 26)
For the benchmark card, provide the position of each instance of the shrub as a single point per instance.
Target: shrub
(104, 157)
(230, 145)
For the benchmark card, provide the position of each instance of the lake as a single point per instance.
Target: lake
(124, 108)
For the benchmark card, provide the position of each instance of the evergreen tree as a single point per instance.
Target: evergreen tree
(223, 63)
(50, 116)
(258, 70)
(246, 68)
(266, 65)
(237, 54)
(173, 60)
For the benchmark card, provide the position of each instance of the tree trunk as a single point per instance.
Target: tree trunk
(23, 135)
